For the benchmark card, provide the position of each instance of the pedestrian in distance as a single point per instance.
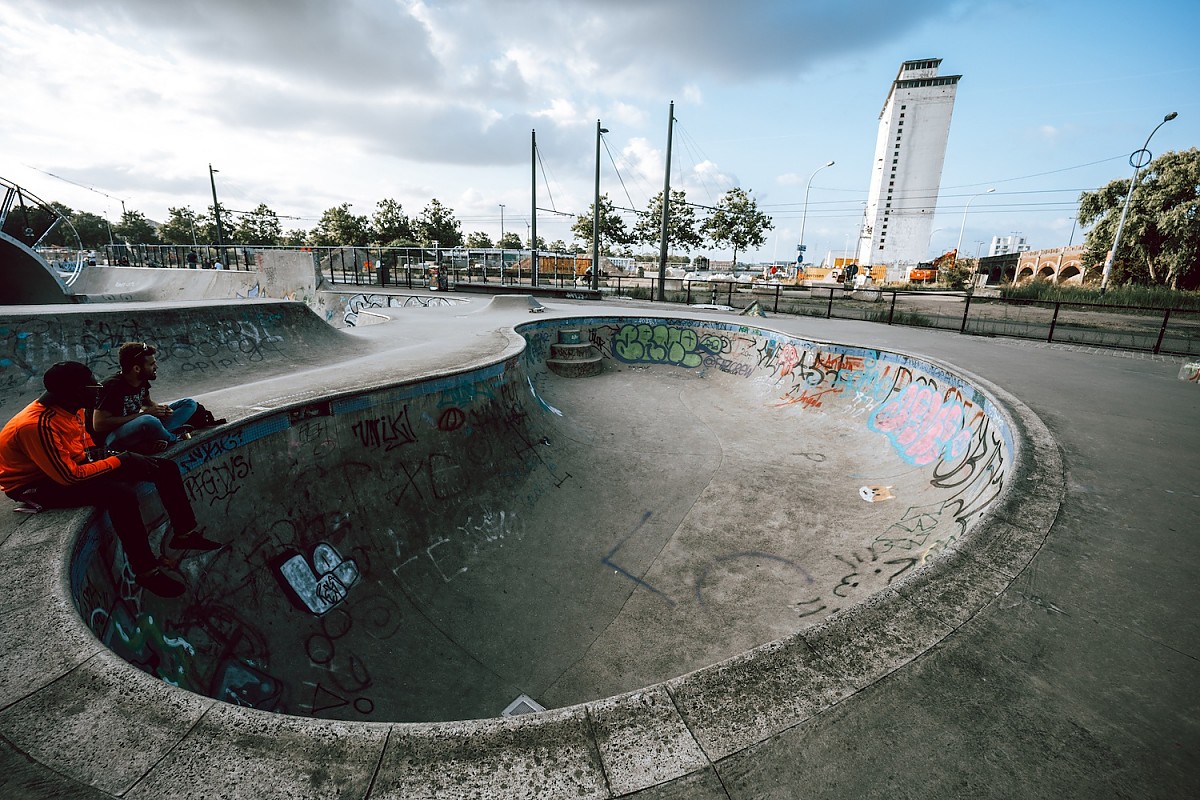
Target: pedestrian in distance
(46, 461)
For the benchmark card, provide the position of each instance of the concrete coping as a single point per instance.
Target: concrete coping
(82, 717)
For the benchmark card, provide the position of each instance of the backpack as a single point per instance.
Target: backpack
(203, 418)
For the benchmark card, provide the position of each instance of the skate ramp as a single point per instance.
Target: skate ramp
(431, 550)
(201, 346)
(280, 274)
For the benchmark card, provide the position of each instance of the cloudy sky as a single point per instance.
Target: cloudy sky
(306, 104)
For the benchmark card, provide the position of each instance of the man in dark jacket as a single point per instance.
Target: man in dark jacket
(126, 418)
(44, 462)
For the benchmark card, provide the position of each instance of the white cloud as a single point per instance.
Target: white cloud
(304, 104)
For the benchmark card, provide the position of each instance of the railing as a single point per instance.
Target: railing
(1156, 330)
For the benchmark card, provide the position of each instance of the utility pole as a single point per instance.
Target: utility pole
(216, 207)
(666, 210)
(533, 249)
(596, 215)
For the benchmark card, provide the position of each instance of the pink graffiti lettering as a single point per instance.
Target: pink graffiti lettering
(922, 426)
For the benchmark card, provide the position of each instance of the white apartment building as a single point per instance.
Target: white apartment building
(909, 152)
(1003, 245)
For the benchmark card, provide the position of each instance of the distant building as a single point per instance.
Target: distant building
(1002, 245)
(1056, 265)
(909, 152)
(999, 269)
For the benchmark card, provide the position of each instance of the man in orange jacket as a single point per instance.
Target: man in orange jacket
(44, 462)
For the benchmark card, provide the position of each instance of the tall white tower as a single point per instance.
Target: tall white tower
(913, 128)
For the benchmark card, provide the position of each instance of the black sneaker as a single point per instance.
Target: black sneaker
(161, 582)
(193, 540)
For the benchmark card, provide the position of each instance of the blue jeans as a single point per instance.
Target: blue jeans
(147, 428)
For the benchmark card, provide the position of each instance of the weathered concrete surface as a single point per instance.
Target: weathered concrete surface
(275, 274)
(279, 274)
(198, 350)
(429, 552)
(1001, 707)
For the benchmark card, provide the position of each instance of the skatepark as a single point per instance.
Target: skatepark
(749, 558)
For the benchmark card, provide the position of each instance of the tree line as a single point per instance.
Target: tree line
(1160, 244)
(734, 223)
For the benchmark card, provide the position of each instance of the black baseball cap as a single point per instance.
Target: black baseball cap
(69, 376)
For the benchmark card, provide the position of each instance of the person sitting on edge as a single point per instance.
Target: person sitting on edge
(127, 419)
(44, 464)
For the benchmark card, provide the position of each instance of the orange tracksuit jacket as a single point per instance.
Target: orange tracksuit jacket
(45, 440)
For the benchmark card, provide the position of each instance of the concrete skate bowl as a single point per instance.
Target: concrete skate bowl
(726, 532)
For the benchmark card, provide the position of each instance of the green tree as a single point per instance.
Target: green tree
(297, 237)
(541, 243)
(206, 225)
(183, 226)
(134, 228)
(340, 228)
(612, 227)
(390, 226)
(94, 230)
(260, 226)
(1160, 244)
(737, 223)
(60, 235)
(437, 224)
(509, 241)
(558, 246)
(682, 232)
(479, 241)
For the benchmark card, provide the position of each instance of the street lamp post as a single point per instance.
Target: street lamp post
(804, 215)
(596, 214)
(963, 227)
(1137, 160)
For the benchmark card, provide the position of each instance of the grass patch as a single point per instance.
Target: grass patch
(901, 318)
(1145, 296)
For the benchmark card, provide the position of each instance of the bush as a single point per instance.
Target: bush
(958, 276)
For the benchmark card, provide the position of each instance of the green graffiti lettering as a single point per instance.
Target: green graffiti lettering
(658, 344)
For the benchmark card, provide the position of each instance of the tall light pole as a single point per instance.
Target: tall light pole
(963, 227)
(533, 246)
(596, 214)
(216, 206)
(1137, 160)
(931, 248)
(664, 235)
(804, 215)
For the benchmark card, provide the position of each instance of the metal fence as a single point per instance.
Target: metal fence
(1156, 330)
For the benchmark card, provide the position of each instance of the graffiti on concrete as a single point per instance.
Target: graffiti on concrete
(324, 582)
(358, 302)
(923, 426)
